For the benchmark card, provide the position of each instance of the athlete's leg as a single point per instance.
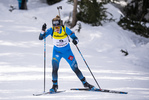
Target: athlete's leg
(55, 66)
(69, 57)
(74, 66)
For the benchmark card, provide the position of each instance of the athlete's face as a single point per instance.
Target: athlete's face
(57, 28)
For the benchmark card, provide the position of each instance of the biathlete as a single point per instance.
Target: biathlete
(62, 49)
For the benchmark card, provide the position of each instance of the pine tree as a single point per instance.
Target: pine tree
(137, 9)
(92, 12)
(134, 19)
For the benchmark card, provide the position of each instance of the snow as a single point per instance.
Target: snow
(21, 56)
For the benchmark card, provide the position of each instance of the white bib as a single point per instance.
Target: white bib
(60, 42)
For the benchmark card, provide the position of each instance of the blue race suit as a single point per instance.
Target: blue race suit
(62, 49)
(20, 3)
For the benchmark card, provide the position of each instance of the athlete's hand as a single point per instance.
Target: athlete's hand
(44, 26)
(75, 41)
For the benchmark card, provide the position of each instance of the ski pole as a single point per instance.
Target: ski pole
(88, 67)
(44, 64)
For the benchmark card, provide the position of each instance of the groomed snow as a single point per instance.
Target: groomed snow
(21, 56)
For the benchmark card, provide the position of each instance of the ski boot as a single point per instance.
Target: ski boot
(54, 88)
(87, 85)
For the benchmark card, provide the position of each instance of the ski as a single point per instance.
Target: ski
(100, 90)
(45, 93)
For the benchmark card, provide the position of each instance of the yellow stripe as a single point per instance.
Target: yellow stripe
(61, 35)
(55, 59)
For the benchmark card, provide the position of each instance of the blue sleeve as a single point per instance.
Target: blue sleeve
(70, 33)
(47, 33)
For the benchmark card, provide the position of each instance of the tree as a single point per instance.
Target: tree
(135, 17)
(92, 12)
(74, 18)
(137, 9)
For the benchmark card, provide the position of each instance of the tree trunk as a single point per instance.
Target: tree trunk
(74, 18)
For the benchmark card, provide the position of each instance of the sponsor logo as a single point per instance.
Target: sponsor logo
(61, 40)
(70, 58)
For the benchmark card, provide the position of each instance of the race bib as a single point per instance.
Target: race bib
(60, 42)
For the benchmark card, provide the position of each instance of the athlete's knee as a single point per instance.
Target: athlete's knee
(55, 64)
(75, 68)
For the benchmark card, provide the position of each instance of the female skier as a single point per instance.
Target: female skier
(62, 49)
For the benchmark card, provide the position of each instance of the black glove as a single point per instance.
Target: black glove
(75, 41)
(44, 26)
